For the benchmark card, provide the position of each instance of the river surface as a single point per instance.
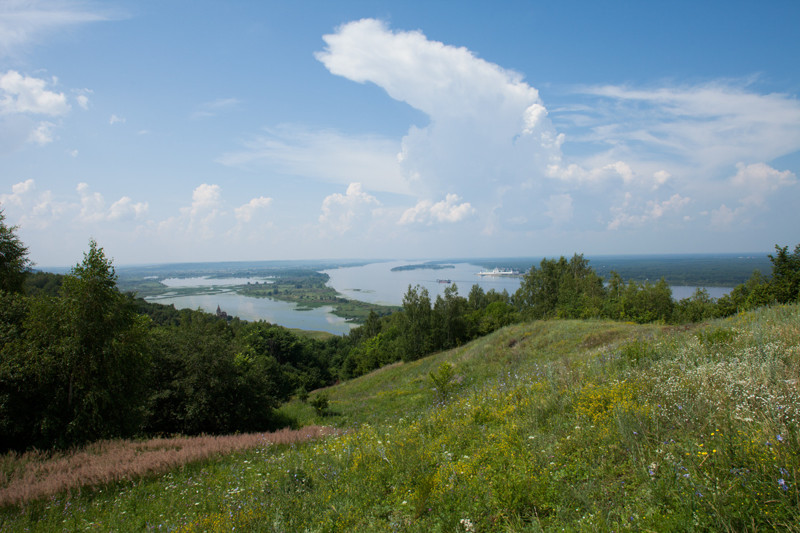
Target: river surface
(252, 309)
(373, 283)
(376, 283)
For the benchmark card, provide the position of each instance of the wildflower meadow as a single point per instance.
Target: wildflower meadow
(542, 426)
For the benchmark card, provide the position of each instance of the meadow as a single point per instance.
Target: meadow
(578, 425)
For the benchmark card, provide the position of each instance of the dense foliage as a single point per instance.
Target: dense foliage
(81, 361)
(14, 262)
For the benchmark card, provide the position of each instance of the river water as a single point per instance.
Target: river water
(373, 283)
(376, 283)
(217, 292)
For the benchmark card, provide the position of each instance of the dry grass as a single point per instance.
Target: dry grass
(33, 475)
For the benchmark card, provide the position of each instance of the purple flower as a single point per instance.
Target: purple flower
(779, 438)
(782, 484)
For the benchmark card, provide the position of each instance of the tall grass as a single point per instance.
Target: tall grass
(32, 475)
(582, 426)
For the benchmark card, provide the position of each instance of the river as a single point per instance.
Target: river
(374, 283)
(218, 292)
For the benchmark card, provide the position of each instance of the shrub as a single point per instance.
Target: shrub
(443, 380)
(320, 403)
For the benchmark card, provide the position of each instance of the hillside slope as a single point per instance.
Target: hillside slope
(583, 425)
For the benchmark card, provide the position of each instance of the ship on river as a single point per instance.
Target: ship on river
(500, 272)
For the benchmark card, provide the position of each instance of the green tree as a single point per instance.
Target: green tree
(14, 262)
(785, 274)
(497, 314)
(648, 302)
(615, 303)
(699, 306)
(561, 288)
(79, 367)
(416, 323)
(449, 323)
(206, 378)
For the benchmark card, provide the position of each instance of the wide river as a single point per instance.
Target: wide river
(374, 283)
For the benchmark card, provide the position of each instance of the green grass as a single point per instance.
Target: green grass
(573, 425)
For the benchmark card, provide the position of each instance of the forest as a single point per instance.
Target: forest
(82, 361)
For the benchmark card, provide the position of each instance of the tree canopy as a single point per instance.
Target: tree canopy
(14, 262)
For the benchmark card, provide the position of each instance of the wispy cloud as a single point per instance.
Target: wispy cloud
(324, 155)
(215, 107)
(712, 125)
(23, 22)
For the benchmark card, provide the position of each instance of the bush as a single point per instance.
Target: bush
(443, 380)
(320, 403)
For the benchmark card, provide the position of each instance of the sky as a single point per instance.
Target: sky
(197, 130)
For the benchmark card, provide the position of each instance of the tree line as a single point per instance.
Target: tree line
(81, 360)
(556, 289)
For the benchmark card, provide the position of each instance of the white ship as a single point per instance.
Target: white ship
(500, 272)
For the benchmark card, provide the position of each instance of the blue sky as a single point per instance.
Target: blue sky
(180, 130)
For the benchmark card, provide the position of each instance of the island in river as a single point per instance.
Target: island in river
(421, 266)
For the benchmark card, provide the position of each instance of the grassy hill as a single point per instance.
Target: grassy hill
(581, 425)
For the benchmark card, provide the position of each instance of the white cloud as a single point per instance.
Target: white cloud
(33, 211)
(93, 207)
(204, 198)
(197, 220)
(25, 94)
(660, 178)
(244, 213)
(45, 211)
(18, 191)
(92, 204)
(724, 217)
(631, 214)
(488, 128)
(43, 134)
(114, 119)
(341, 211)
(24, 101)
(126, 209)
(759, 180)
(428, 213)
